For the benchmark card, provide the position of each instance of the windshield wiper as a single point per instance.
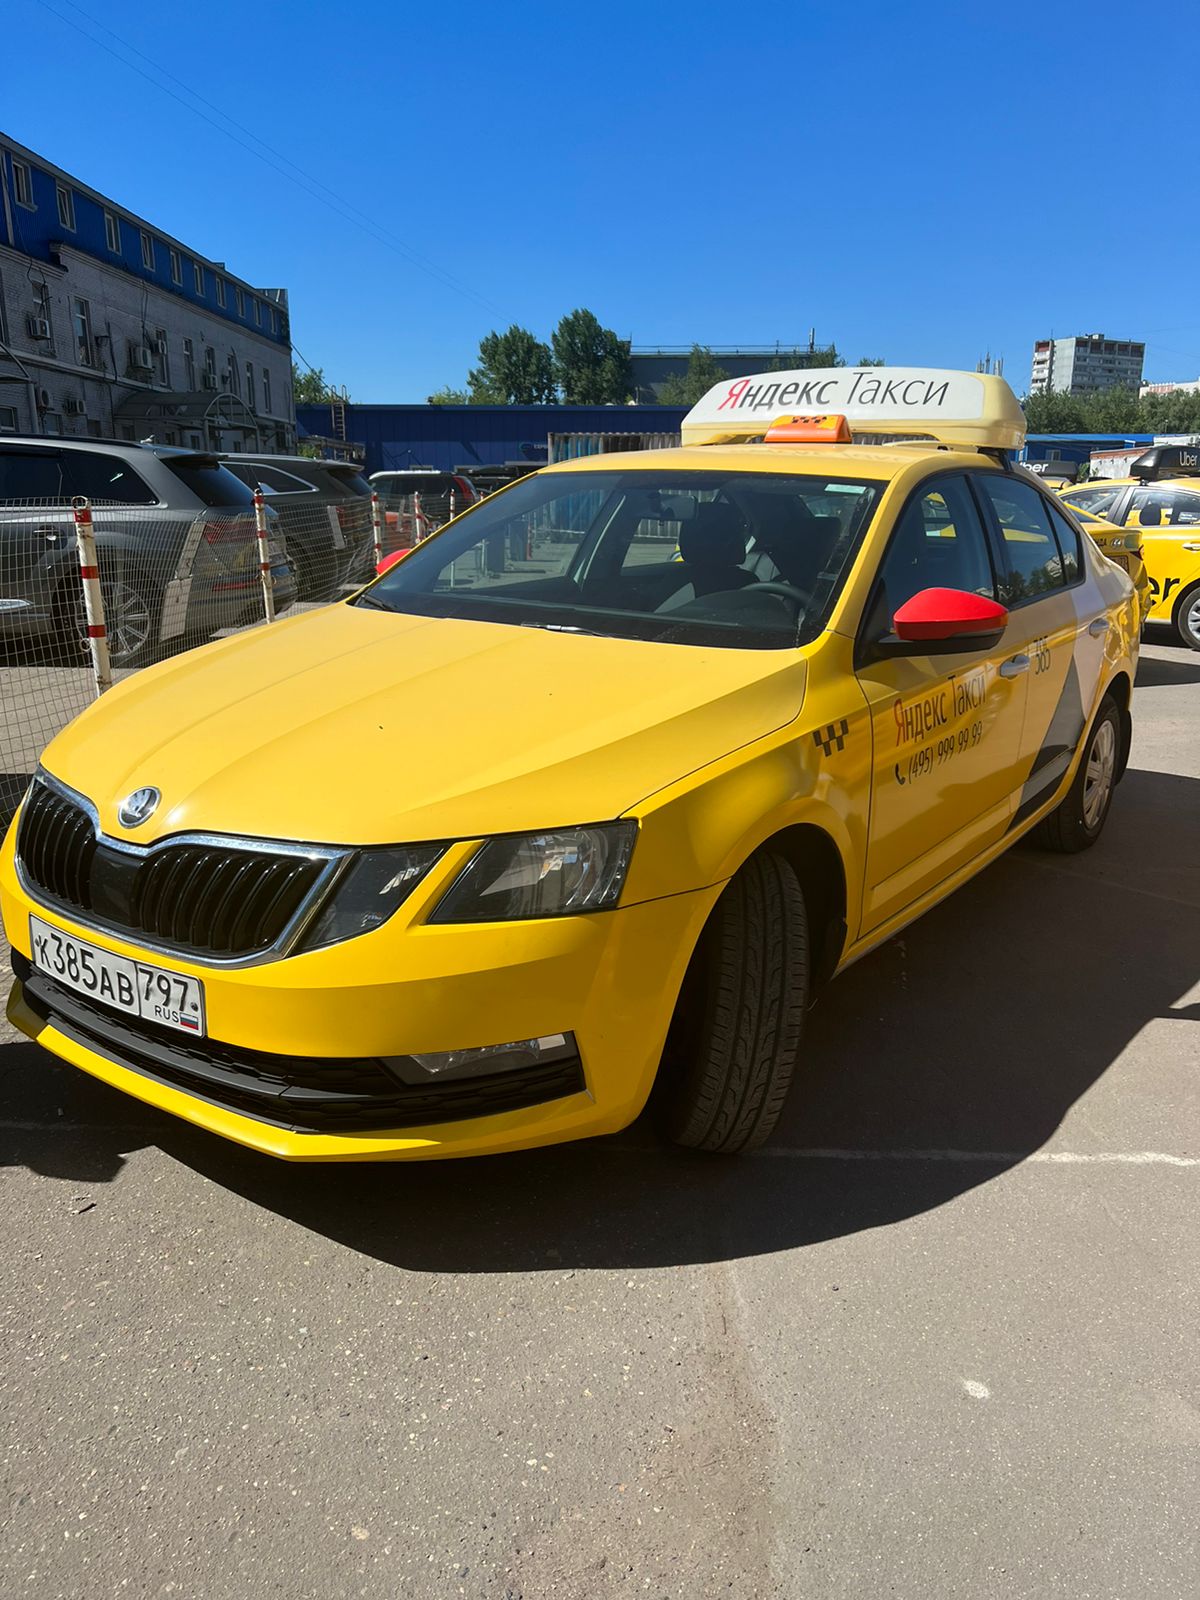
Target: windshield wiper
(564, 627)
(375, 605)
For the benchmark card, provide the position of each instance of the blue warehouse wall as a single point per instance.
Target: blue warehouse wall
(452, 436)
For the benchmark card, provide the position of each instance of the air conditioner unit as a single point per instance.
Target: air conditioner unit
(42, 396)
(73, 405)
(140, 355)
(39, 328)
(209, 380)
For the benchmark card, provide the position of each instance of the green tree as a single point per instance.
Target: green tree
(702, 372)
(310, 387)
(871, 361)
(514, 369)
(591, 364)
(1056, 411)
(447, 396)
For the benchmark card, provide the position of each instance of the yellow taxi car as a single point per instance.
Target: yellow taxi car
(1159, 505)
(1124, 547)
(542, 819)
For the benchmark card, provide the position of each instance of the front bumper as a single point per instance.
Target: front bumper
(410, 987)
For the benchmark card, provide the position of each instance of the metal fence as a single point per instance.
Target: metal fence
(159, 584)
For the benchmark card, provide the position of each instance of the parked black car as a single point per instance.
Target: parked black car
(174, 536)
(324, 512)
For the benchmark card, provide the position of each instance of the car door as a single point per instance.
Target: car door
(1168, 520)
(1059, 622)
(37, 528)
(946, 728)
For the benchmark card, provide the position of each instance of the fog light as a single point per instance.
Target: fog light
(486, 1059)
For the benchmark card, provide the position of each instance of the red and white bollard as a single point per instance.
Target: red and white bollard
(377, 526)
(264, 554)
(93, 599)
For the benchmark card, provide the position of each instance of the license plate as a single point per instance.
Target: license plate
(134, 987)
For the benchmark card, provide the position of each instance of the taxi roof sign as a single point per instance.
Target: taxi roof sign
(965, 408)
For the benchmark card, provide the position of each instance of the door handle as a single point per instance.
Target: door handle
(1191, 548)
(1098, 626)
(1014, 667)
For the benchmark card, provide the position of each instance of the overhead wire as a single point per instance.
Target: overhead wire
(273, 158)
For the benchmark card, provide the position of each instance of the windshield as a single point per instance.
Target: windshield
(746, 560)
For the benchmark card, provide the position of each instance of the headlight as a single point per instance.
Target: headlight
(542, 875)
(376, 884)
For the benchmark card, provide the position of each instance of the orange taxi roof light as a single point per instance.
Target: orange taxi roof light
(829, 429)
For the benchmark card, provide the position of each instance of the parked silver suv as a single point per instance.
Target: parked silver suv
(174, 535)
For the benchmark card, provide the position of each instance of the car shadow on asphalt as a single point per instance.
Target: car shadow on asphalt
(933, 1066)
(1155, 673)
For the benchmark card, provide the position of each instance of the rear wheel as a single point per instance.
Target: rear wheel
(1078, 821)
(1186, 617)
(131, 616)
(736, 1033)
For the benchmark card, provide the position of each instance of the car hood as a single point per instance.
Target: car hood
(353, 726)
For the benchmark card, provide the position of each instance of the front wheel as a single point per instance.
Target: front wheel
(1078, 820)
(1186, 617)
(736, 1034)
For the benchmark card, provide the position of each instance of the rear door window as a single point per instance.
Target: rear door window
(1099, 501)
(1032, 556)
(105, 480)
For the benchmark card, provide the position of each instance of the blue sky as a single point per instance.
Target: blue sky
(913, 182)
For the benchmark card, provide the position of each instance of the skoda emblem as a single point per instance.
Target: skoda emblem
(136, 807)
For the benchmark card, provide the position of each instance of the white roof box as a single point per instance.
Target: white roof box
(964, 408)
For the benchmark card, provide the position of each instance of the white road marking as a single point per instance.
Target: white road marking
(1126, 1158)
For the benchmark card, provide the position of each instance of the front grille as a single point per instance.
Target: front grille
(57, 847)
(304, 1094)
(207, 899)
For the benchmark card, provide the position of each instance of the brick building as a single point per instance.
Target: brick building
(110, 327)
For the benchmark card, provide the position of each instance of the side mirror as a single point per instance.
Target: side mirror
(943, 622)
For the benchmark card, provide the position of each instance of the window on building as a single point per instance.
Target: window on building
(162, 358)
(81, 319)
(239, 300)
(210, 366)
(198, 277)
(266, 390)
(195, 441)
(250, 400)
(147, 251)
(274, 320)
(221, 292)
(22, 185)
(93, 428)
(127, 430)
(176, 266)
(51, 422)
(41, 304)
(112, 233)
(66, 206)
(8, 419)
(233, 380)
(258, 313)
(189, 364)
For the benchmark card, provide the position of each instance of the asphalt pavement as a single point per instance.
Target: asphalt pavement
(938, 1340)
